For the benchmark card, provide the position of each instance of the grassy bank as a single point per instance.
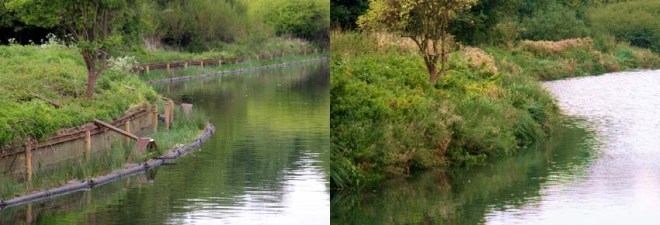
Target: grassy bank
(388, 120)
(196, 70)
(57, 73)
(31, 76)
(271, 45)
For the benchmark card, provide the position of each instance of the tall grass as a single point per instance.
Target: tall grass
(184, 129)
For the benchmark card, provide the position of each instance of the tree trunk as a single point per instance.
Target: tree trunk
(434, 76)
(91, 83)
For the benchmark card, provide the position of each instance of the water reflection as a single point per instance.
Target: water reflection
(266, 163)
(470, 196)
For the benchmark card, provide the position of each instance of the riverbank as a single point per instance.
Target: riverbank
(387, 120)
(159, 76)
(274, 45)
(41, 89)
(79, 185)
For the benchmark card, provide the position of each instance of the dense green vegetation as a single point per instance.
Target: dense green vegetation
(509, 21)
(388, 120)
(194, 26)
(54, 71)
(104, 28)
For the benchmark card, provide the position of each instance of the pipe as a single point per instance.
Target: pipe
(95, 182)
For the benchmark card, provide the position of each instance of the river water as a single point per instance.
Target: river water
(267, 162)
(602, 167)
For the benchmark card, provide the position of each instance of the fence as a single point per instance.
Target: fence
(75, 142)
(146, 68)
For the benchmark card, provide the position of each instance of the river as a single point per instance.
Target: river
(601, 167)
(267, 162)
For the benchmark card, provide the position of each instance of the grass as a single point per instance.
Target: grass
(195, 70)
(58, 73)
(183, 130)
(387, 120)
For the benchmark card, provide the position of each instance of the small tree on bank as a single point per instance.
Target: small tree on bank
(424, 21)
(90, 22)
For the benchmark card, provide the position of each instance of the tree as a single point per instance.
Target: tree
(309, 20)
(91, 23)
(344, 13)
(424, 21)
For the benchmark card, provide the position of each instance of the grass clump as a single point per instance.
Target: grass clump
(184, 129)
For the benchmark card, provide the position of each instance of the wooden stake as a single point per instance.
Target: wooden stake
(154, 120)
(127, 127)
(28, 214)
(202, 63)
(147, 67)
(185, 65)
(167, 115)
(88, 144)
(168, 66)
(171, 110)
(28, 163)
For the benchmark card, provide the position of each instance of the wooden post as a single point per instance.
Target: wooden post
(220, 62)
(28, 163)
(171, 110)
(127, 127)
(185, 65)
(154, 120)
(202, 63)
(168, 66)
(167, 115)
(88, 144)
(147, 69)
(187, 108)
(28, 214)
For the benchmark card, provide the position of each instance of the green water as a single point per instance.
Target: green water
(469, 196)
(266, 163)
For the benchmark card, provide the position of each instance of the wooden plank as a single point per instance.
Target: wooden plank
(115, 129)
